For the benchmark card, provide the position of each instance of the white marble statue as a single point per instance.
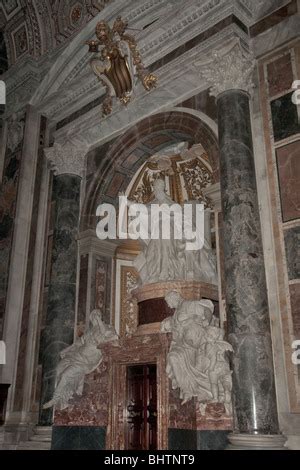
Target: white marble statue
(80, 359)
(196, 362)
(160, 260)
(201, 265)
(164, 260)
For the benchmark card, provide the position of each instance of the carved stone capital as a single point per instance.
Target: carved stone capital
(66, 159)
(229, 68)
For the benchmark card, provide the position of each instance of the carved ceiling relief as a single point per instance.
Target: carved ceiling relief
(10, 6)
(21, 41)
(37, 28)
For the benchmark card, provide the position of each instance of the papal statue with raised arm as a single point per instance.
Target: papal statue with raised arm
(165, 259)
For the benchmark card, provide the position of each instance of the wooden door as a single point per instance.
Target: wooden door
(141, 412)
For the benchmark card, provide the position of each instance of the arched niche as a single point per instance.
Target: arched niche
(120, 164)
(119, 161)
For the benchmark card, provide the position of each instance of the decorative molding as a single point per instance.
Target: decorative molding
(143, 9)
(66, 159)
(229, 68)
(213, 193)
(192, 17)
(256, 442)
(128, 307)
(88, 242)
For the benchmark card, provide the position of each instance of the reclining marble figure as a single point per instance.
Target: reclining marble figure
(80, 359)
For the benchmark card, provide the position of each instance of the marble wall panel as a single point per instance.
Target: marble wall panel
(78, 438)
(181, 416)
(182, 439)
(92, 408)
(280, 75)
(285, 205)
(189, 417)
(285, 117)
(295, 306)
(292, 246)
(212, 440)
(288, 165)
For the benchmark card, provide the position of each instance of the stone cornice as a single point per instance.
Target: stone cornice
(178, 81)
(88, 242)
(228, 68)
(89, 89)
(155, 42)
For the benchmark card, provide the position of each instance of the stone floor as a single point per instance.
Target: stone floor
(40, 440)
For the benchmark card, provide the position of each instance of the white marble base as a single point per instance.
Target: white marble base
(256, 442)
(41, 439)
(293, 443)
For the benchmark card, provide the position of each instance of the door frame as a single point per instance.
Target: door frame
(123, 358)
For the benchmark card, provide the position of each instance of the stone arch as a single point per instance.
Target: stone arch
(121, 159)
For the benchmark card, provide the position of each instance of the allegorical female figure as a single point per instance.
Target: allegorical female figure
(80, 359)
(196, 363)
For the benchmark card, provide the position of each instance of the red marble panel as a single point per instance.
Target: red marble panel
(181, 416)
(92, 408)
(188, 416)
(288, 163)
(153, 311)
(280, 75)
(214, 418)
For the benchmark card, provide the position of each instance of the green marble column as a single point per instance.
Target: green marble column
(59, 328)
(249, 331)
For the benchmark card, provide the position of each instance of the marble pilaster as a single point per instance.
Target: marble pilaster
(23, 140)
(255, 412)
